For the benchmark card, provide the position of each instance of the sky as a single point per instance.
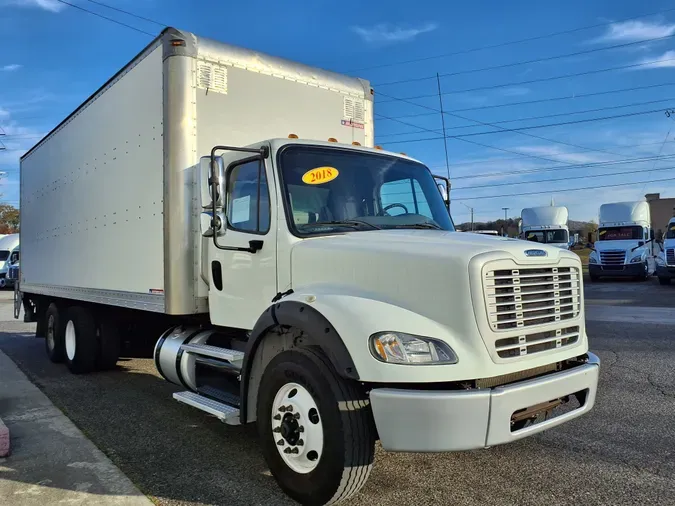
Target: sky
(522, 127)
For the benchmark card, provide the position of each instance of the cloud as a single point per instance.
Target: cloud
(515, 91)
(48, 5)
(10, 68)
(630, 31)
(387, 33)
(666, 60)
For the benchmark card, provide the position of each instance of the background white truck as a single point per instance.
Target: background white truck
(314, 287)
(665, 260)
(545, 225)
(9, 255)
(624, 246)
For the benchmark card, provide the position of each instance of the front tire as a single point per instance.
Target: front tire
(80, 340)
(664, 281)
(321, 450)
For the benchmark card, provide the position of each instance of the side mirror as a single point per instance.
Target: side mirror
(205, 181)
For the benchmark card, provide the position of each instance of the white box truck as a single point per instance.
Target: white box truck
(545, 225)
(665, 260)
(314, 287)
(624, 243)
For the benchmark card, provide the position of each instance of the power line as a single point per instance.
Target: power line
(106, 18)
(499, 160)
(510, 43)
(515, 130)
(570, 178)
(520, 194)
(530, 118)
(475, 143)
(590, 165)
(529, 62)
(543, 100)
(127, 13)
(540, 80)
(534, 127)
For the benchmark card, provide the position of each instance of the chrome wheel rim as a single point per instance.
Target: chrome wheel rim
(70, 340)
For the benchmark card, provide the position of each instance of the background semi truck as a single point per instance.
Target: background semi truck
(546, 224)
(314, 287)
(9, 256)
(624, 246)
(665, 260)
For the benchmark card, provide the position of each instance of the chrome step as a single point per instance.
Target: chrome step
(224, 412)
(233, 356)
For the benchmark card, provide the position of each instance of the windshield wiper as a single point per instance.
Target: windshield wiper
(420, 225)
(343, 223)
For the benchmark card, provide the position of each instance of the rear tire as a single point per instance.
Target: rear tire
(54, 334)
(80, 340)
(108, 345)
(341, 421)
(664, 281)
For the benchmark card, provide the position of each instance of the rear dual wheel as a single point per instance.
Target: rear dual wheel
(75, 337)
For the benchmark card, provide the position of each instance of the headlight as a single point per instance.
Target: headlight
(400, 348)
(593, 258)
(636, 260)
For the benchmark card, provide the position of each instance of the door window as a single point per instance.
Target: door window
(248, 200)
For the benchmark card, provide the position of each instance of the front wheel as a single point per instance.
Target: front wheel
(316, 428)
(645, 273)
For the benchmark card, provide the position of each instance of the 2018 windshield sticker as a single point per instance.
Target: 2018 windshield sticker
(320, 175)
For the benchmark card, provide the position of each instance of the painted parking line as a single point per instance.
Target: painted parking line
(624, 314)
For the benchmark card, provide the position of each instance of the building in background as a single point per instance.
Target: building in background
(661, 211)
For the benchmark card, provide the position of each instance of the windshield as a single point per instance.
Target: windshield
(547, 236)
(670, 234)
(334, 190)
(4, 255)
(620, 233)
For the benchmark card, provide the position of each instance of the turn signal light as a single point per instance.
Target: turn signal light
(355, 143)
(378, 147)
(292, 136)
(332, 139)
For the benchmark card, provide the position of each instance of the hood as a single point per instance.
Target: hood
(414, 269)
(615, 245)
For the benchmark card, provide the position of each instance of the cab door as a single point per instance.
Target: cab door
(242, 268)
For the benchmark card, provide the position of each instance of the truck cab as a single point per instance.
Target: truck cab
(9, 255)
(624, 242)
(545, 225)
(665, 260)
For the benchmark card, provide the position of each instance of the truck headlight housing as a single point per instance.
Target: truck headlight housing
(401, 348)
(636, 260)
(593, 258)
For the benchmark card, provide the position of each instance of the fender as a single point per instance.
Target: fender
(319, 332)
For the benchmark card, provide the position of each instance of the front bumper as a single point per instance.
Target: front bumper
(631, 270)
(439, 421)
(664, 271)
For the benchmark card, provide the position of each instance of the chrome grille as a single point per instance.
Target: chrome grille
(521, 298)
(670, 256)
(613, 257)
(528, 344)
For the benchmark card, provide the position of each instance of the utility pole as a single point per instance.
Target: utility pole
(445, 138)
(471, 209)
(505, 218)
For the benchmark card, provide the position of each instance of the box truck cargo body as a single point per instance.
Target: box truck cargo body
(230, 207)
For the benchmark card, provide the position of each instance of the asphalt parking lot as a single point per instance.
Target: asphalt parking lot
(623, 452)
